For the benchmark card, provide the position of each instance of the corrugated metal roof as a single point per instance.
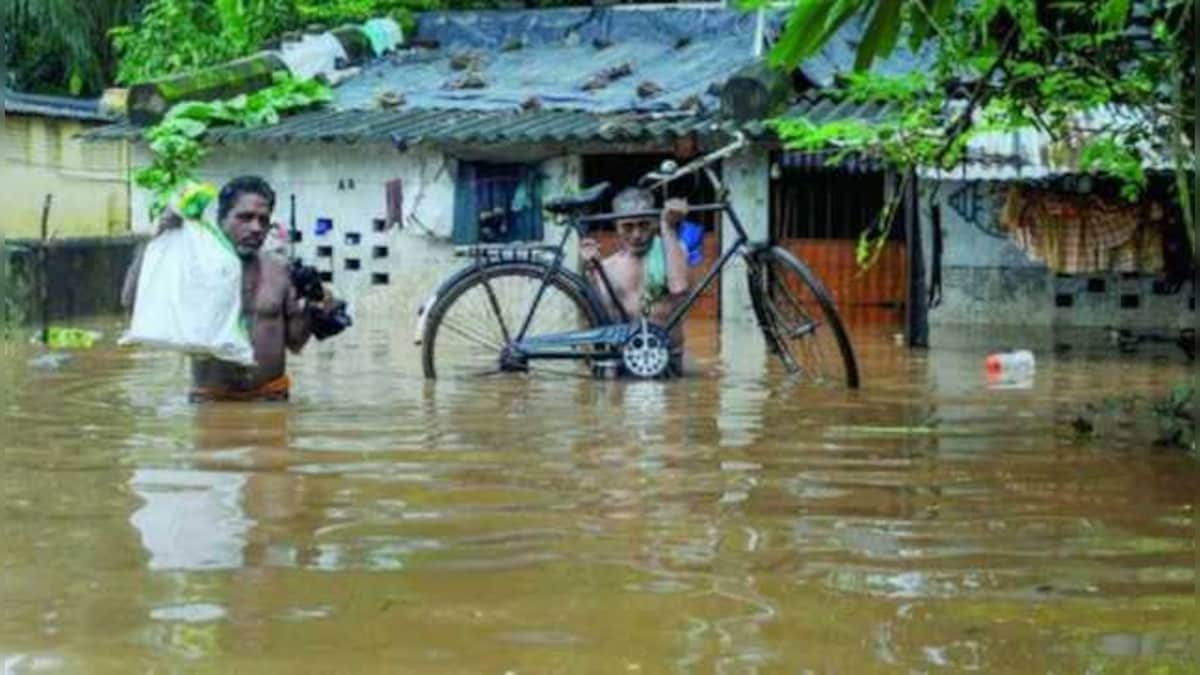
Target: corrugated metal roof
(1022, 154)
(820, 109)
(550, 54)
(440, 126)
(683, 50)
(1029, 153)
(15, 102)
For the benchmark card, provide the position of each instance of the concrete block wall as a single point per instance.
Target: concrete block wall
(84, 277)
(988, 280)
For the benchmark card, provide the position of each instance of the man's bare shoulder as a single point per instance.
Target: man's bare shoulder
(274, 258)
(273, 262)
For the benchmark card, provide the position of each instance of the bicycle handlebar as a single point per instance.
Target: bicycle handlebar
(696, 164)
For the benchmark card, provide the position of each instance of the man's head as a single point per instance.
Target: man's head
(244, 211)
(636, 233)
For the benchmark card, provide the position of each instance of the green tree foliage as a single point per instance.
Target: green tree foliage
(333, 12)
(1003, 64)
(61, 46)
(178, 35)
(80, 46)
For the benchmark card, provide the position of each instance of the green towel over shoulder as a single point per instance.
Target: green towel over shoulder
(655, 270)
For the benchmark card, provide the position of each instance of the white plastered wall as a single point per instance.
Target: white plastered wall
(347, 184)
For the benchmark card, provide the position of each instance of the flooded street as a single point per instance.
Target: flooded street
(731, 522)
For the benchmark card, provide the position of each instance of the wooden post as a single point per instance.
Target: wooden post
(43, 272)
(916, 306)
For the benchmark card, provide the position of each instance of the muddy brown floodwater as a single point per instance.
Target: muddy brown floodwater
(732, 522)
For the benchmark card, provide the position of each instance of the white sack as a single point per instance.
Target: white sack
(189, 295)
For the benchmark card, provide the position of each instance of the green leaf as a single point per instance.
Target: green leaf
(188, 127)
(191, 110)
(880, 36)
(75, 85)
(1113, 13)
(804, 26)
(809, 26)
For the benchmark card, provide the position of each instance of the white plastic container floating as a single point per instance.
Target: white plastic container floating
(1018, 363)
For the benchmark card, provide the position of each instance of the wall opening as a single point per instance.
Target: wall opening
(622, 171)
(819, 212)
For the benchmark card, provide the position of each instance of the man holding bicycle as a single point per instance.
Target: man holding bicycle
(648, 276)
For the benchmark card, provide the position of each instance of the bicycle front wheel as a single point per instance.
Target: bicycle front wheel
(799, 319)
(470, 327)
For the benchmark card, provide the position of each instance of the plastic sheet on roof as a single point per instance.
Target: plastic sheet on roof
(312, 55)
(550, 54)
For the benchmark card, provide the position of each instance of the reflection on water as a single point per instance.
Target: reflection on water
(734, 521)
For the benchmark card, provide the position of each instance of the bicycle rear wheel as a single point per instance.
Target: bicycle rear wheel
(469, 327)
(799, 320)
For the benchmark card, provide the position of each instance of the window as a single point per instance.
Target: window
(497, 203)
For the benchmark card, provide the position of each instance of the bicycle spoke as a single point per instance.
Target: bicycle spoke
(472, 337)
(477, 323)
(495, 304)
(810, 341)
(801, 322)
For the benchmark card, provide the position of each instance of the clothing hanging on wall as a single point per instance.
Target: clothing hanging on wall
(1082, 234)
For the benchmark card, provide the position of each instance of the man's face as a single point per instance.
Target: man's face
(247, 223)
(636, 235)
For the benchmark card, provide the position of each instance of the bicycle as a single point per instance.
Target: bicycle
(519, 309)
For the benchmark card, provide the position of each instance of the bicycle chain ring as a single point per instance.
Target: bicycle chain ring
(647, 353)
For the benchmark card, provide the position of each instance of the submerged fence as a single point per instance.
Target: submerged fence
(81, 278)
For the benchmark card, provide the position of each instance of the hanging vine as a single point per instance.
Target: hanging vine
(177, 141)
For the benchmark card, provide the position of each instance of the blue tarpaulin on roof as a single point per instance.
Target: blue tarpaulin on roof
(682, 51)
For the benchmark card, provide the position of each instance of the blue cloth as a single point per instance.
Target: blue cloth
(692, 236)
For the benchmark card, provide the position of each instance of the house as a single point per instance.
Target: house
(387, 193)
(454, 139)
(1076, 255)
(41, 154)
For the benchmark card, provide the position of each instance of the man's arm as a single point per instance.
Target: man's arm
(674, 212)
(298, 326)
(169, 220)
(589, 250)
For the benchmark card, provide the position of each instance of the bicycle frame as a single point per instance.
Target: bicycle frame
(605, 342)
(566, 345)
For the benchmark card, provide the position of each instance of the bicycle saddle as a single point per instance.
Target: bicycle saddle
(569, 204)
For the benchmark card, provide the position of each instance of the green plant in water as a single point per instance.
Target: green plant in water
(1173, 415)
(176, 142)
(58, 337)
(1176, 422)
